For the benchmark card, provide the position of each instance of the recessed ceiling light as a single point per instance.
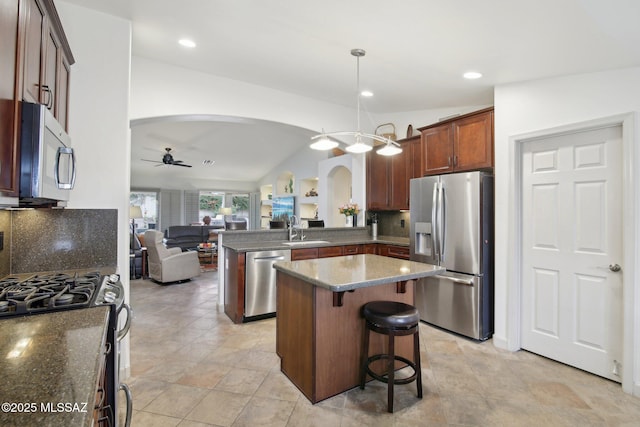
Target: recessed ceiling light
(187, 43)
(366, 93)
(471, 75)
(208, 162)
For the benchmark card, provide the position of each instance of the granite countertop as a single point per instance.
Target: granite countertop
(51, 359)
(345, 273)
(269, 245)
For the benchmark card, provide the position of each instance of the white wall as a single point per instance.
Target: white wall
(99, 119)
(539, 105)
(159, 89)
(330, 177)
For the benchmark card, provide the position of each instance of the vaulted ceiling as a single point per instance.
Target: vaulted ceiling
(417, 51)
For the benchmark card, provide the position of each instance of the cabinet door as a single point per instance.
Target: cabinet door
(371, 249)
(437, 143)
(62, 96)
(8, 102)
(51, 67)
(352, 249)
(330, 251)
(34, 25)
(305, 253)
(399, 179)
(377, 181)
(416, 164)
(473, 142)
(401, 252)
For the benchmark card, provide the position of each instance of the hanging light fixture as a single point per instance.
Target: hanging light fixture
(326, 140)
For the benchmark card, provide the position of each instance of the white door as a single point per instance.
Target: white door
(571, 248)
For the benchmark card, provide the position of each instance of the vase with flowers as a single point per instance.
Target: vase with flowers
(350, 211)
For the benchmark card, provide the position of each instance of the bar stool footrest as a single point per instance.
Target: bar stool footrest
(384, 377)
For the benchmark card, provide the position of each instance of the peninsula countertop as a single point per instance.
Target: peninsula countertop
(48, 360)
(346, 273)
(314, 242)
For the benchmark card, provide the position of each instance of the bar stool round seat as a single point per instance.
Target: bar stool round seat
(393, 319)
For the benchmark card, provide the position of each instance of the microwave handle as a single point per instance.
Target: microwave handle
(56, 169)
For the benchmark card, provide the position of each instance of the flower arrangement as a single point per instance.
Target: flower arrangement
(349, 209)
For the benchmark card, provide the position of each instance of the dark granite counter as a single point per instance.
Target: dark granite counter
(49, 365)
(345, 273)
(267, 245)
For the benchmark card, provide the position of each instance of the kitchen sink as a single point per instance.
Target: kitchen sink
(305, 242)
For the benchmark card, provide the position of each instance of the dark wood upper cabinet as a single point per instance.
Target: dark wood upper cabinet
(377, 181)
(473, 142)
(388, 176)
(46, 57)
(438, 149)
(399, 175)
(33, 23)
(9, 13)
(461, 144)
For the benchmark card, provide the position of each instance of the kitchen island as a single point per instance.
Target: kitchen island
(319, 327)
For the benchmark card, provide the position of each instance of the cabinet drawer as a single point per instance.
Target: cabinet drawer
(352, 250)
(305, 253)
(398, 252)
(371, 249)
(330, 251)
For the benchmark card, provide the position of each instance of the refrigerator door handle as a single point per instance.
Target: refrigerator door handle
(455, 280)
(434, 220)
(441, 221)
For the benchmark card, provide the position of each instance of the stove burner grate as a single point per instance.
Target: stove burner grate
(47, 292)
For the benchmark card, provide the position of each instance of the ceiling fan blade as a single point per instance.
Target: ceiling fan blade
(152, 161)
(181, 164)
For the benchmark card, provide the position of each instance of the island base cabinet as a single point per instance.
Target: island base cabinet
(320, 345)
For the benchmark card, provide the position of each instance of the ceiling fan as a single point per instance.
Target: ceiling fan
(168, 159)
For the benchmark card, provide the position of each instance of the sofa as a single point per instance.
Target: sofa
(189, 236)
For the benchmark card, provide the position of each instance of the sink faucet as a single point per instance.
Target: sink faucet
(293, 221)
(292, 233)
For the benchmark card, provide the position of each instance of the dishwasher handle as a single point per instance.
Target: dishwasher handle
(269, 258)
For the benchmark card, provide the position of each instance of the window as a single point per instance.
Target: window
(240, 205)
(210, 203)
(148, 203)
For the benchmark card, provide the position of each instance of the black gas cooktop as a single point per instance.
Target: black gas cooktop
(48, 292)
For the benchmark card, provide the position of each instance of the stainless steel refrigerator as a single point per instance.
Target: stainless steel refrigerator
(452, 226)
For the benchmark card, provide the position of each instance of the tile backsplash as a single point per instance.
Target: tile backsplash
(58, 239)
(392, 223)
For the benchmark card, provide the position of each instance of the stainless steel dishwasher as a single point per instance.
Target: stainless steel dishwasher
(260, 283)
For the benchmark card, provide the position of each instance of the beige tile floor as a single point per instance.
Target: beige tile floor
(191, 366)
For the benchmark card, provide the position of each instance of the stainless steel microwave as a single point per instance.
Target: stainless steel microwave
(47, 161)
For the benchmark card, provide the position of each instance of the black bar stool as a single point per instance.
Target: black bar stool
(392, 319)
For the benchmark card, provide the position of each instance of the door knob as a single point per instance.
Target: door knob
(615, 267)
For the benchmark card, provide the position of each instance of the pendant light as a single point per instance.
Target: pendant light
(326, 141)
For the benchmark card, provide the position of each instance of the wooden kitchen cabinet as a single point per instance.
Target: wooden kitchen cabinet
(330, 251)
(394, 251)
(377, 181)
(304, 253)
(461, 144)
(234, 280)
(9, 13)
(235, 268)
(46, 58)
(388, 177)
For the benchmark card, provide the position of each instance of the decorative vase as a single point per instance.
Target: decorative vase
(354, 222)
(349, 221)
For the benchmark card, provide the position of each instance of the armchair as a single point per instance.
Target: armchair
(169, 264)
